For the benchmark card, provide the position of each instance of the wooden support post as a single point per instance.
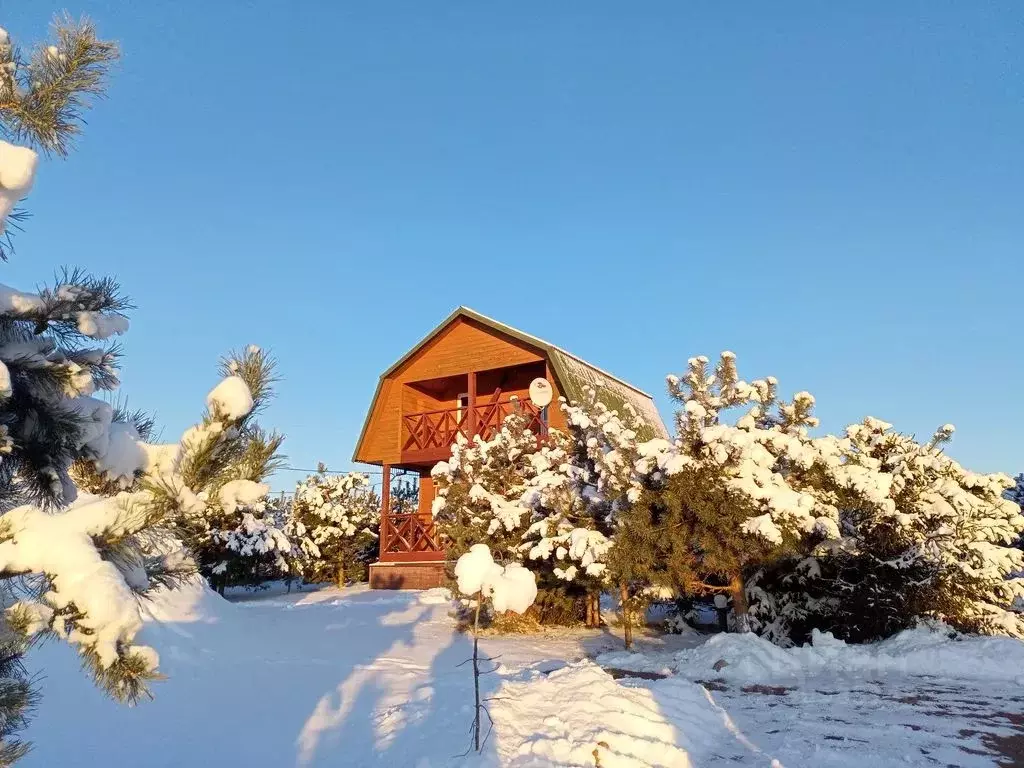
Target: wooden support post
(385, 507)
(471, 391)
(545, 412)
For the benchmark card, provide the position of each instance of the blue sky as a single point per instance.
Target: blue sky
(835, 194)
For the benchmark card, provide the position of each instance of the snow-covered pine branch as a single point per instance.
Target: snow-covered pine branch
(72, 565)
(211, 487)
(98, 554)
(91, 555)
(44, 93)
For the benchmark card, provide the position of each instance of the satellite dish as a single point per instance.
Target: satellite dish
(540, 393)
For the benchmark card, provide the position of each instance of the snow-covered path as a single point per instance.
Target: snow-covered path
(366, 678)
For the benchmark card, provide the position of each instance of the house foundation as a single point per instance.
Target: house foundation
(416, 575)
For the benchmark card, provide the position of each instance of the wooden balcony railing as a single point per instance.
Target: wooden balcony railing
(429, 435)
(404, 533)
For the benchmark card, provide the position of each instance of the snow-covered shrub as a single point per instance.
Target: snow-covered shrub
(549, 504)
(921, 537)
(334, 522)
(507, 588)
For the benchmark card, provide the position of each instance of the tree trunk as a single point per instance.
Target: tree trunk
(340, 576)
(739, 603)
(627, 618)
(476, 672)
(590, 611)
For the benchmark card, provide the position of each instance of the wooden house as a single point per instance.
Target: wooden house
(463, 378)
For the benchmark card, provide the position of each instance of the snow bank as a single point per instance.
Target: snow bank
(579, 715)
(655, 662)
(921, 651)
(434, 596)
(192, 601)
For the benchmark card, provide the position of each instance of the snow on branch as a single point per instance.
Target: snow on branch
(509, 588)
(91, 602)
(231, 399)
(17, 171)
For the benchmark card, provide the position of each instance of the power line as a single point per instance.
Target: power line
(394, 471)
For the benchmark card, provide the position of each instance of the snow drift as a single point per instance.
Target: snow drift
(927, 650)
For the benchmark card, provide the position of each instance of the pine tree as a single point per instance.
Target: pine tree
(480, 490)
(211, 487)
(578, 500)
(1016, 495)
(550, 504)
(405, 495)
(334, 522)
(518, 495)
(724, 498)
(72, 565)
(881, 528)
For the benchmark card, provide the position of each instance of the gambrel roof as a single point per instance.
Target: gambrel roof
(573, 373)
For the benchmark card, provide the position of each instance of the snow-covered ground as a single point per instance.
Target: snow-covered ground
(363, 678)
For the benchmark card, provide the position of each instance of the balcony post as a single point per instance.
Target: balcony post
(471, 391)
(385, 506)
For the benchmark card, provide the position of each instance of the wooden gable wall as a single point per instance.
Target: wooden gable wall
(462, 346)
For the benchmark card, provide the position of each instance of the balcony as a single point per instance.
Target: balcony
(408, 536)
(428, 436)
